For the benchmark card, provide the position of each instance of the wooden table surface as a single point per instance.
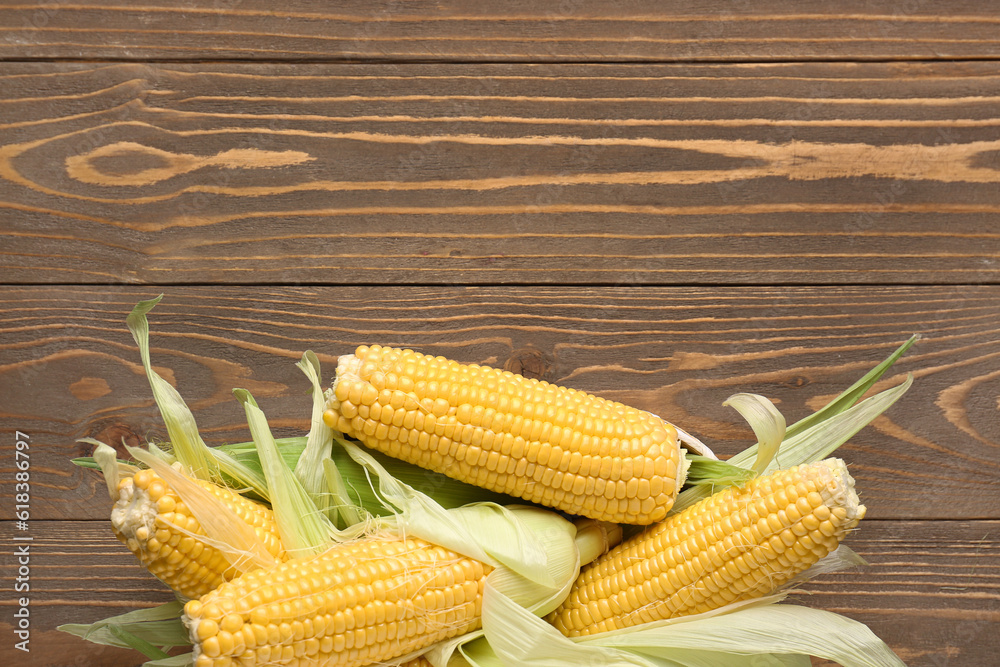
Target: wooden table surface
(661, 202)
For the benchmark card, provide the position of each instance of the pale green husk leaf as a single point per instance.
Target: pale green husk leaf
(852, 394)
(318, 473)
(837, 406)
(514, 637)
(160, 627)
(819, 441)
(767, 423)
(773, 628)
(751, 634)
(841, 558)
(304, 530)
(342, 510)
(106, 459)
(160, 453)
(188, 447)
(174, 661)
(813, 444)
(137, 643)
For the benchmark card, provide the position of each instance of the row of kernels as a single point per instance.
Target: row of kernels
(362, 644)
(472, 457)
(549, 400)
(545, 446)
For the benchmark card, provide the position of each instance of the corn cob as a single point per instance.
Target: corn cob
(156, 526)
(550, 445)
(358, 603)
(738, 544)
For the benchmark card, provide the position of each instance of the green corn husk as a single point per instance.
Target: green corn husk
(445, 490)
(152, 632)
(238, 465)
(305, 530)
(198, 459)
(811, 439)
(714, 474)
(320, 478)
(533, 550)
(747, 634)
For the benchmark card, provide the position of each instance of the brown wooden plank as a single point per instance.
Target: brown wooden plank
(459, 30)
(79, 573)
(71, 370)
(930, 591)
(559, 174)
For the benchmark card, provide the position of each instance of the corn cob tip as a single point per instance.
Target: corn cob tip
(133, 517)
(153, 521)
(842, 490)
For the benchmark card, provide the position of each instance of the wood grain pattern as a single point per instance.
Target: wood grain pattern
(833, 173)
(930, 590)
(459, 30)
(693, 199)
(79, 574)
(678, 352)
(85, 575)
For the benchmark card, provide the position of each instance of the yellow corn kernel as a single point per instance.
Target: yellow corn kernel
(510, 434)
(158, 528)
(359, 603)
(715, 552)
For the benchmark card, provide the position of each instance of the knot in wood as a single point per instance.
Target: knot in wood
(798, 381)
(529, 362)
